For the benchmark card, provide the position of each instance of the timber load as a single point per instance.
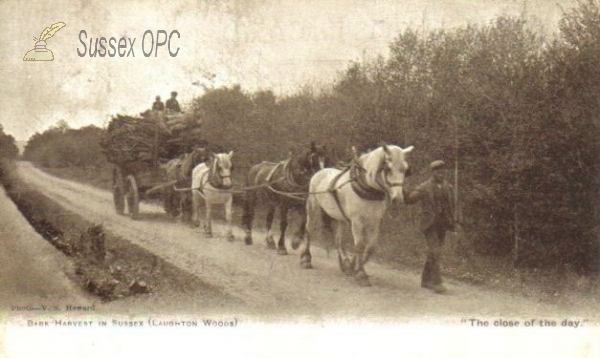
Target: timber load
(150, 138)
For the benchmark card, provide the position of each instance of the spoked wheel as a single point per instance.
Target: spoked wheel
(133, 197)
(118, 191)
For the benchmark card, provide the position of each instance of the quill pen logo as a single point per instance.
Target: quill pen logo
(40, 52)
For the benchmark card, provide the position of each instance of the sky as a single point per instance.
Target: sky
(261, 44)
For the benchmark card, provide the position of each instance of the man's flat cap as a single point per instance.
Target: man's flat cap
(437, 164)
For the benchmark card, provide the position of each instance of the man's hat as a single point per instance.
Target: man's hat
(173, 93)
(157, 97)
(437, 164)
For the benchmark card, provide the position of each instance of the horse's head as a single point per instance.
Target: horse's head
(386, 168)
(304, 165)
(317, 158)
(221, 169)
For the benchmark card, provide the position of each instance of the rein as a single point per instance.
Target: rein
(234, 191)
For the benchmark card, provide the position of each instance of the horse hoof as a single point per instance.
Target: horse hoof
(271, 243)
(195, 224)
(362, 280)
(208, 235)
(345, 265)
(296, 243)
(306, 265)
(282, 251)
(248, 240)
(230, 238)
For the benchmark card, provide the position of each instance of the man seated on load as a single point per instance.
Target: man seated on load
(157, 108)
(172, 104)
(158, 105)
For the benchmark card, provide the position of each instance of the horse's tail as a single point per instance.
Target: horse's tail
(326, 220)
(327, 227)
(318, 221)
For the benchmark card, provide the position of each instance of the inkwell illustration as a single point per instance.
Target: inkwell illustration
(40, 52)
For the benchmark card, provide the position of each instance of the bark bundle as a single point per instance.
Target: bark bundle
(138, 139)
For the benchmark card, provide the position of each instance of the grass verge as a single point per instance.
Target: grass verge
(103, 264)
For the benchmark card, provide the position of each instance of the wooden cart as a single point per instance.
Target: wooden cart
(143, 180)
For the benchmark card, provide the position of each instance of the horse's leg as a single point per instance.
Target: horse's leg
(185, 207)
(372, 237)
(167, 202)
(270, 215)
(297, 238)
(207, 224)
(248, 216)
(358, 231)
(283, 212)
(312, 209)
(228, 216)
(195, 208)
(176, 204)
(346, 265)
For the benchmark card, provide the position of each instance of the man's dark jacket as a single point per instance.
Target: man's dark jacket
(424, 193)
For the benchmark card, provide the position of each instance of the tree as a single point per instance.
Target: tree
(8, 147)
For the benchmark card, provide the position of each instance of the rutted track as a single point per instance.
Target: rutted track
(275, 287)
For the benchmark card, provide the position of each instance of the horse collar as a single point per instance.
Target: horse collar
(289, 175)
(360, 186)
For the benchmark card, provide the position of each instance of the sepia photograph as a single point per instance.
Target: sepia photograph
(267, 178)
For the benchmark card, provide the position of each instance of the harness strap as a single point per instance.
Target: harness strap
(333, 189)
(270, 175)
(202, 183)
(288, 175)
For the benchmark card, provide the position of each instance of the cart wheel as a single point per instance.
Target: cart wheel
(118, 191)
(133, 197)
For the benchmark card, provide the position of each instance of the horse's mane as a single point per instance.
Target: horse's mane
(190, 161)
(379, 154)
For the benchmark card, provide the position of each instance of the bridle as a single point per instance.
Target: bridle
(382, 180)
(310, 159)
(215, 177)
(305, 169)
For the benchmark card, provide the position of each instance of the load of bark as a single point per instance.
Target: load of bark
(135, 139)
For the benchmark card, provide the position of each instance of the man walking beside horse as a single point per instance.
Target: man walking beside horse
(437, 217)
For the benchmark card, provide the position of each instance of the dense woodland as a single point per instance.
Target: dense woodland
(8, 148)
(519, 113)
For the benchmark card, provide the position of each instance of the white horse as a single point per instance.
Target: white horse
(212, 183)
(356, 197)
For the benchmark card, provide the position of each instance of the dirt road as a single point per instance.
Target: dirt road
(274, 287)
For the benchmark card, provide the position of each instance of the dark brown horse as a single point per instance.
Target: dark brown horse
(282, 185)
(180, 170)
